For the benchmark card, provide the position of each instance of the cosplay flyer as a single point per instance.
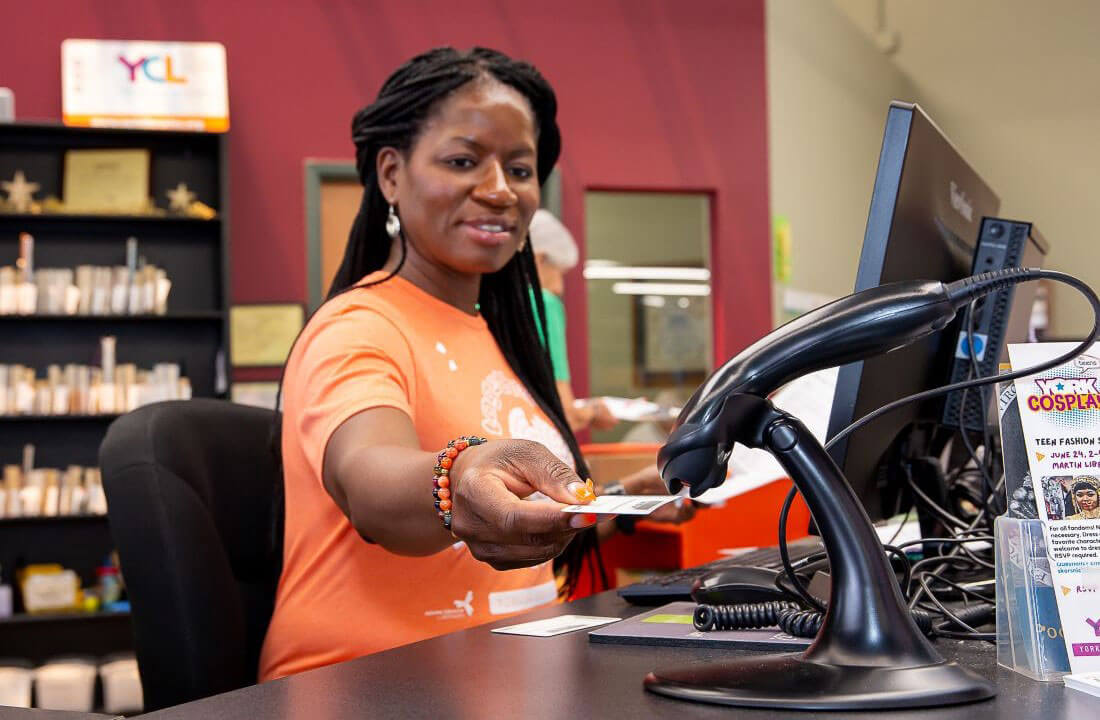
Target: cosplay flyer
(1060, 416)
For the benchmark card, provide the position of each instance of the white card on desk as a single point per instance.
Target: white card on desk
(1085, 682)
(622, 504)
(555, 625)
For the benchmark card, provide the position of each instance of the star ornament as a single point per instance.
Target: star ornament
(20, 192)
(181, 198)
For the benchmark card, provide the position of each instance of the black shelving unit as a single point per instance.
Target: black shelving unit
(194, 334)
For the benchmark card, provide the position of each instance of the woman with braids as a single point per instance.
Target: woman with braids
(401, 522)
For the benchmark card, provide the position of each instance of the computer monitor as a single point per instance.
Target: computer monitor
(926, 207)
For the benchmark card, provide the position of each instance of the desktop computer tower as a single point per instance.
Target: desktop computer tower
(999, 319)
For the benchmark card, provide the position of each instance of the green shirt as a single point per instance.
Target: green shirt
(555, 322)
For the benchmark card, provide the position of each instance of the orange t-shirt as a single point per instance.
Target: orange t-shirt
(339, 597)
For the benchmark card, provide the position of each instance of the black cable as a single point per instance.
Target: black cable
(960, 547)
(943, 608)
(788, 616)
(987, 637)
(785, 556)
(1034, 370)
(897, 533)
(942, 562)
(950, 540)
(947, 560)
(801, 623)
(906, 563)
(944, 515)
(931, 504)
(967, 494)
(792, 577)
(740, 616)
(935, 575)
(985, 599)
(1081, 347)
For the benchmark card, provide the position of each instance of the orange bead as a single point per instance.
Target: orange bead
(444, 493)
(452, 453)
(444, 505)
(443, 481)
(461, 445)
(445, 463)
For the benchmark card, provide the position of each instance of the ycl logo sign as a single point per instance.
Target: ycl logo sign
(155, 68)
(144, 84)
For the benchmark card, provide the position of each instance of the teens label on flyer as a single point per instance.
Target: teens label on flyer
(1060, 417)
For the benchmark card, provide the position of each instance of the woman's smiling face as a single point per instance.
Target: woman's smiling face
(468, 186)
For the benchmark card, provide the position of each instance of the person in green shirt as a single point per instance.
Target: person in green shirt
(555, 254)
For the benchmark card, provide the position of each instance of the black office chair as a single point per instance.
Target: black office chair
(194, 497)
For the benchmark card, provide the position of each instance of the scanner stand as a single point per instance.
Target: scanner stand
(869, 654)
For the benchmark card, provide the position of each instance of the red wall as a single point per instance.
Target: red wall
(654, 94)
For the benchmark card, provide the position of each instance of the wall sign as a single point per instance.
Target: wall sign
(137, 83)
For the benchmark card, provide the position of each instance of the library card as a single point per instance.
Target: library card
(622, 504)
(555, 625)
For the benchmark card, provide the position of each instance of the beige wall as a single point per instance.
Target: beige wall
(1014, 84)
(828, 91)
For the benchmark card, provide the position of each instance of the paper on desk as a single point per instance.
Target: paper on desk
(1085, 682)
(810, 399)
(555, 625)
(635, 409)
(622, 504)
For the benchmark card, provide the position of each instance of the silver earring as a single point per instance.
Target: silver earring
(393, 224)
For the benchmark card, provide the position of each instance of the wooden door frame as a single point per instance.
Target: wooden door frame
(317, 172)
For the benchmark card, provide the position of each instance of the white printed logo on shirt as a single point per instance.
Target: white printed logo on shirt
(463, 608)
(466, 603)
(522, 425)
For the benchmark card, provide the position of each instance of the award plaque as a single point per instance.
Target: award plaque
(261, 335)
(106, 181)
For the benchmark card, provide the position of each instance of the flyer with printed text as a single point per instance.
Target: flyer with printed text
(1060, 416)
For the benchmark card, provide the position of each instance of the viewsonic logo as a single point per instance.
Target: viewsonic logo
(961, 203)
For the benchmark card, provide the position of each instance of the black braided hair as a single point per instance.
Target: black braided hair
(407, 99)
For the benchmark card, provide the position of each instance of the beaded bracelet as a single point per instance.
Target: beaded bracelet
(441, 475)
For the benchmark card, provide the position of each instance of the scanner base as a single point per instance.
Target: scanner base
(790, 681)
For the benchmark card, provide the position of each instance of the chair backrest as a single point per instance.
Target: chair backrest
(194, 497)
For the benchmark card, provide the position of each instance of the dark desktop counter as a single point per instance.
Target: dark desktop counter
(476, 674)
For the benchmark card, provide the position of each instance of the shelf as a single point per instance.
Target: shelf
(40, 127)
(30, 219)
(53, 520)
(194, 253)
(75, 617)
(59, 418)
(212, 315)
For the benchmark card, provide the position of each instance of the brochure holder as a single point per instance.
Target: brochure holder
(1029, 630)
